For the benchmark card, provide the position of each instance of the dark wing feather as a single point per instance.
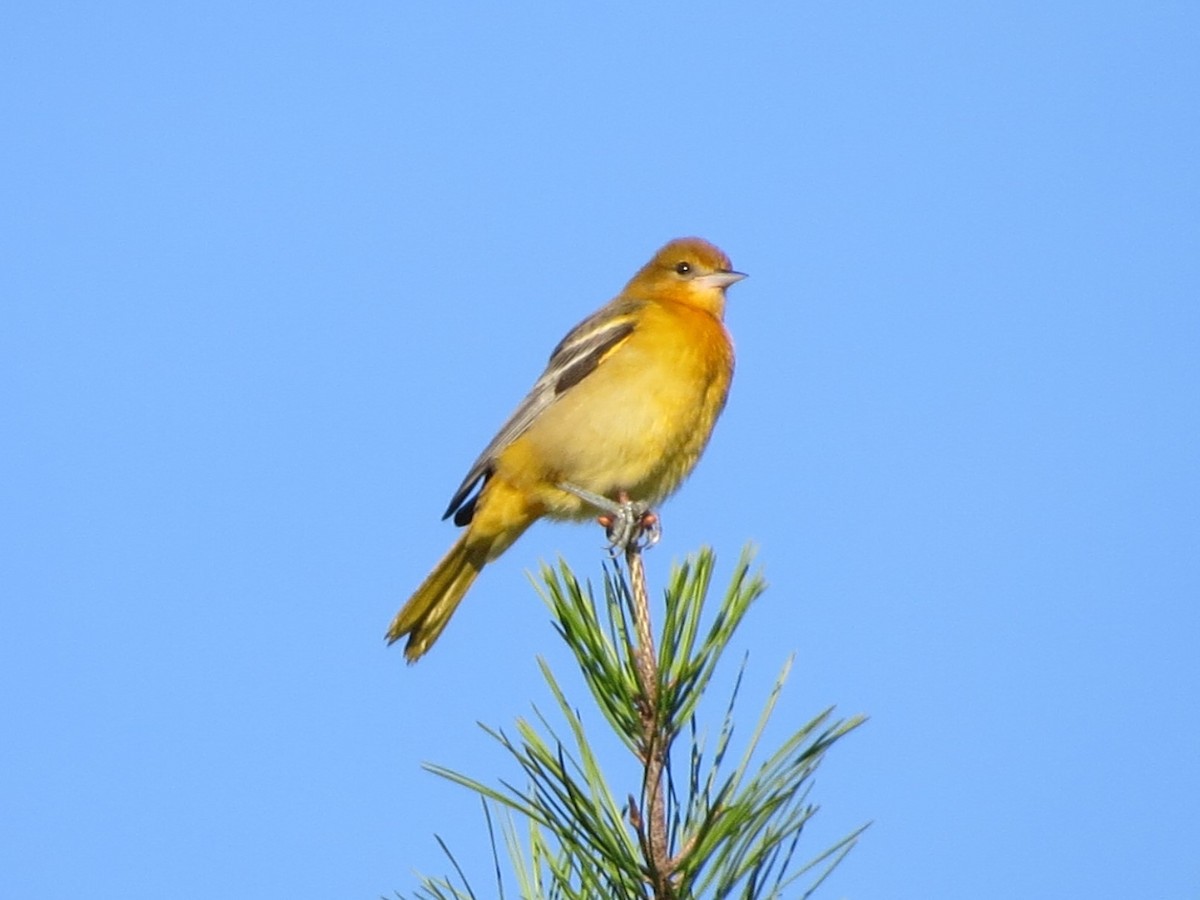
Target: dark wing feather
(576, 356)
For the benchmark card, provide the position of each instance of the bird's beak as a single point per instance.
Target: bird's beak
(720, 280)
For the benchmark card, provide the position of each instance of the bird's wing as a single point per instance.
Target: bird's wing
(576, 356)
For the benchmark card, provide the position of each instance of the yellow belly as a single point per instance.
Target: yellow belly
(638, 424)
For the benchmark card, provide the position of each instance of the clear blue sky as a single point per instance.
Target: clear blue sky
(272, 274)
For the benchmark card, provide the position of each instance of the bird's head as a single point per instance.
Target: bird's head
(687, 270)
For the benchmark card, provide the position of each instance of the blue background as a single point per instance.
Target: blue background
(272, 275)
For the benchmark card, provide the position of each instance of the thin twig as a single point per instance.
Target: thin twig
(654, 743)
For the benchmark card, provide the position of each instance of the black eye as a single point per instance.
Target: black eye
(683, 267)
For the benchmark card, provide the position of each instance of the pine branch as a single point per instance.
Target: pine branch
(730, 826)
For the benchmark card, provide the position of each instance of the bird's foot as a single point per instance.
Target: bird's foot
(631, 524)
(627, 523)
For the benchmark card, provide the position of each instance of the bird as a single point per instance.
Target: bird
(616, 422)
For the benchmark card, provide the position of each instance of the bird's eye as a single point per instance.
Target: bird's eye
(683, 268)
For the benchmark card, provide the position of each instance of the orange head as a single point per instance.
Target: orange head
(687, 270)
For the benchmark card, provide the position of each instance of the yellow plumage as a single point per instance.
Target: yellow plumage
(624, 408)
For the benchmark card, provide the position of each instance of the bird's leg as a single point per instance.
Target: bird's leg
(631, 521)
(624, 520)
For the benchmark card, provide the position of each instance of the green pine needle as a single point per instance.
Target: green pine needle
(734, 820)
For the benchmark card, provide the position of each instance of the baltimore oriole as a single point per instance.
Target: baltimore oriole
(624, 409)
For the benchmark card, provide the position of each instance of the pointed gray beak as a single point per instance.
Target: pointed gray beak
(720, 279)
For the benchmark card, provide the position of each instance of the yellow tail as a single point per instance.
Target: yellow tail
(500, 517)
(429, 609)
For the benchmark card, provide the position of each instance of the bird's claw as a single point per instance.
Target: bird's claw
(627, 523)
(632, 524)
